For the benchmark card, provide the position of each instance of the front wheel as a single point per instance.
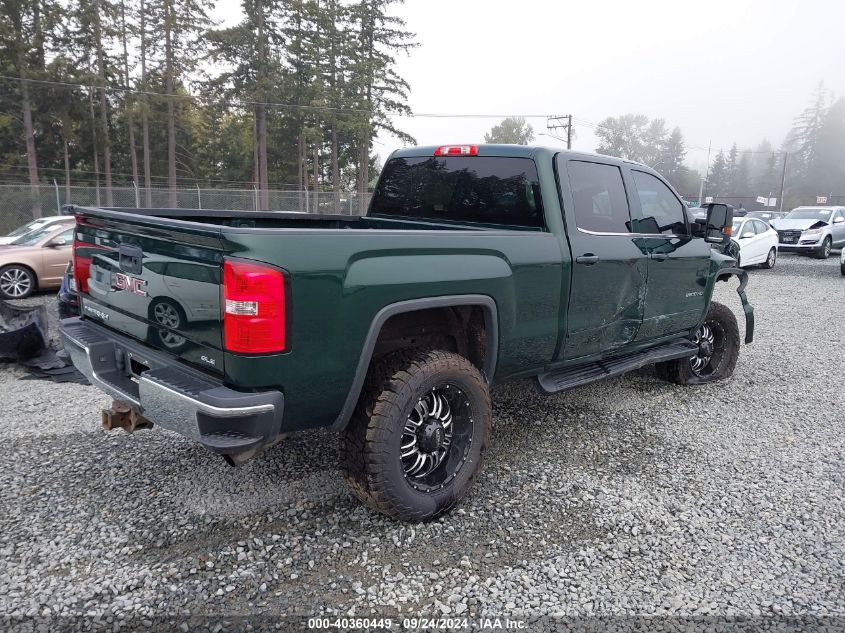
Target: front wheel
(417, 439)
(771, 258)
(826, 247)
(718, 350)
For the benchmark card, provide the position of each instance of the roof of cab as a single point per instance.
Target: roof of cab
(514, 151)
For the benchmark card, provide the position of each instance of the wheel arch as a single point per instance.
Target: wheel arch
(491, 340)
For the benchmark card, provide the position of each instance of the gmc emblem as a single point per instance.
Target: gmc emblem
(120, 281)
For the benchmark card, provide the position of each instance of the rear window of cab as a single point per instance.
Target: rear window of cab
(472, 189)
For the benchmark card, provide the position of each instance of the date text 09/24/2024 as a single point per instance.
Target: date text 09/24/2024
(422, 623)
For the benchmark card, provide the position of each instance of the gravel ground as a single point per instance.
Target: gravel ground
(627, 497)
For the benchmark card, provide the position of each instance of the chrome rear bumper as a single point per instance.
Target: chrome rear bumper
(170, 394)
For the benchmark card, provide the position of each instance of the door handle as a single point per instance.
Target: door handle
(589, 259)
(658, 257)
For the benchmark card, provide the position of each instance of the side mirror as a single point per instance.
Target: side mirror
(720, 220)
(59, 241)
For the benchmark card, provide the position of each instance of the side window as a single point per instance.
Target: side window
(662, 211)
(64, 236)
(761, 227)
(598, 192)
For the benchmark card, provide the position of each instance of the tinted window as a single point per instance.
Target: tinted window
(484, 189)
(662, 211)
(599, 196)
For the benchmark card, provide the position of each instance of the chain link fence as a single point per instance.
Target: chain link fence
(18, 205)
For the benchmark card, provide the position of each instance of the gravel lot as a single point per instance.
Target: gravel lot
(627, 497)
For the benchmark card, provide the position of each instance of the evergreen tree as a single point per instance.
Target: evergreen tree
(718, 179)
(378, 89)
(22, 56)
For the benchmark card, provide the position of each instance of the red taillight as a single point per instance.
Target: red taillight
(456, 150)
(82, 264)
(254, 310)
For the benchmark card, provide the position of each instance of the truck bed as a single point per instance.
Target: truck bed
(341, 272)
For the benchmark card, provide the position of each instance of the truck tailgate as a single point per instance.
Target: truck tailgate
(156, 280)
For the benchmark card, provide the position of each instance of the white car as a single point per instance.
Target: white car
(754, 242)
(35, 225)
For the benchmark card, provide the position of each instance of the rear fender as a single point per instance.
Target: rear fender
(491, 322)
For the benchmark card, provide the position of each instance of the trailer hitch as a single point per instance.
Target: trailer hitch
(122, 415)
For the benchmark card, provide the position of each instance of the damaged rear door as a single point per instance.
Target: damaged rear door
(609, 270)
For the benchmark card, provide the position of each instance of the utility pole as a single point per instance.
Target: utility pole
(556, 122)
(783, 180)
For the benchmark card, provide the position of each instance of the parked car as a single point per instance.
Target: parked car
(36, 260)
(67, 299)
(473, 265)
(35, 225)
(812, 230)
(766, 216)
(755, 243)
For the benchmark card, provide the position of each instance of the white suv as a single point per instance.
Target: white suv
(815, 230)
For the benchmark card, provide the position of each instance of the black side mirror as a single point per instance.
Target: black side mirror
(720, 219)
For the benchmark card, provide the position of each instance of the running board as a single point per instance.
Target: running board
(569, 377)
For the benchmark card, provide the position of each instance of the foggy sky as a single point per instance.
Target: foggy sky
(722, 70)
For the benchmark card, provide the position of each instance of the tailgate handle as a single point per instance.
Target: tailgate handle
(130, 258)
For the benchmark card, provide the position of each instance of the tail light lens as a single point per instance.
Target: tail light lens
(255, 310)
(82, 264)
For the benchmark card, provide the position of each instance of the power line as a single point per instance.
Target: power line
(273, 104)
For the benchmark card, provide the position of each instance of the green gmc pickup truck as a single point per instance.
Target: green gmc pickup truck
(474, 265)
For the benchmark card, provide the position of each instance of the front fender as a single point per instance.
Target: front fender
(723, 275)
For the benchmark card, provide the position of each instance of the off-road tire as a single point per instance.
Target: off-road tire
(771, 258)
(826, 247)
(370, 444)
(680, 371)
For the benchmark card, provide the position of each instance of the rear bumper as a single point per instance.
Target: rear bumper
(170, 394)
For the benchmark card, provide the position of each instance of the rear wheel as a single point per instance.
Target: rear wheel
(718, 350)
(826, 247)
(417, 439)
(16, 282)
(842, 269)
(771, 258)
